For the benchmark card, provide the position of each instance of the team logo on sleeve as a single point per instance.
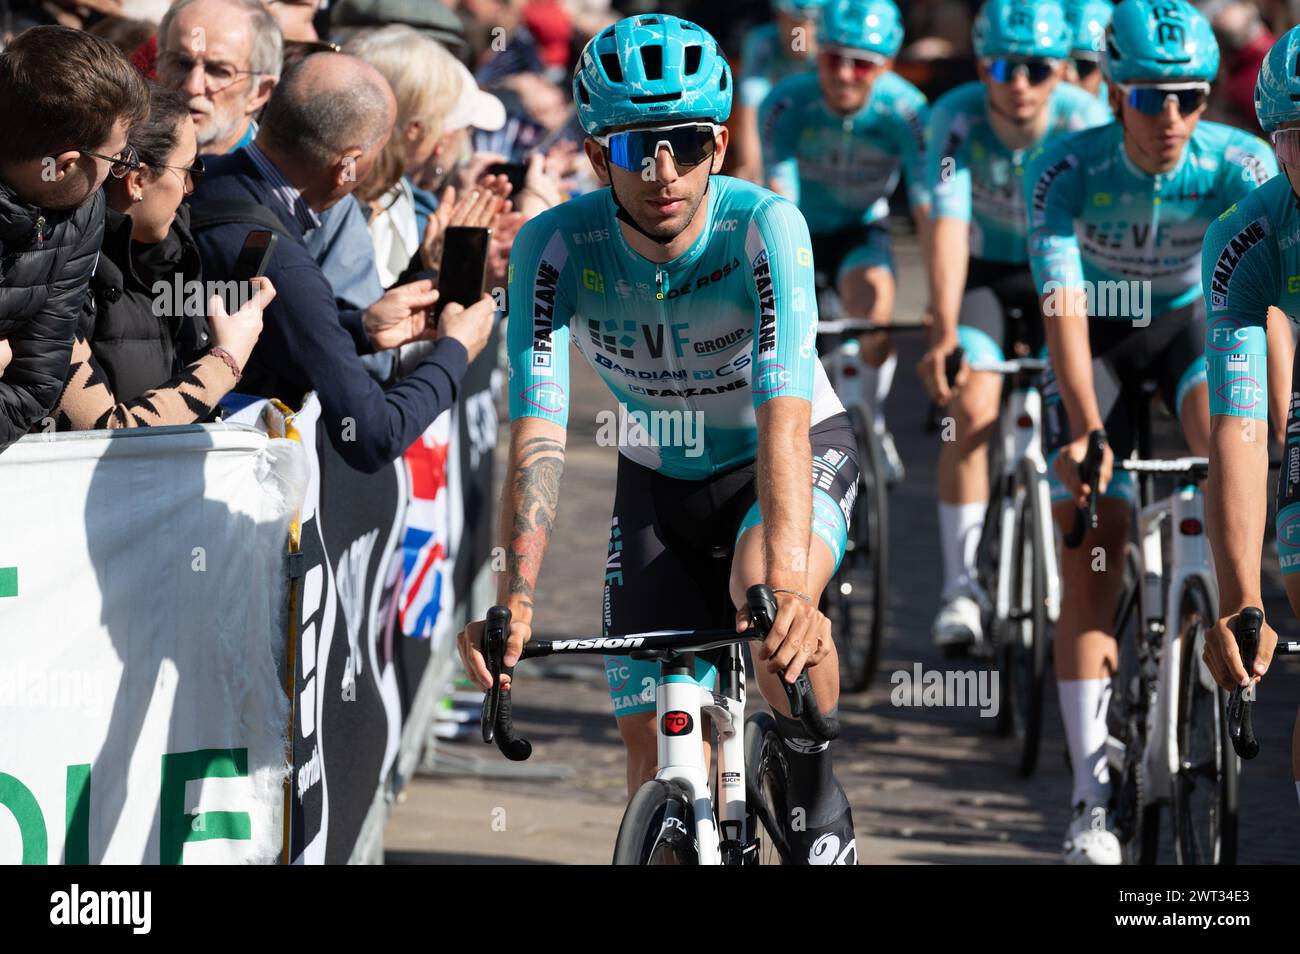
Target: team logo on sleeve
(766, 304)
(1047, 177)
(548, 276)
(546, 396)
(770, 378)
(1233, 251)
(804, 257)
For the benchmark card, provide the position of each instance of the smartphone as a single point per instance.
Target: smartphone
(464, 265)
(255, 256)
(514, 171)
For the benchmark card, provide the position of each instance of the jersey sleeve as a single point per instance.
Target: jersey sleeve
(1248, 164)
(913, 111)
(947, 160)
(1054, 191)
(1240, 270)
(1088, 112)
(537, 336)
(776, 119)
(779, 252)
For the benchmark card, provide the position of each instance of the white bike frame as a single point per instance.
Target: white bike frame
(1190, 559)
(681, 757)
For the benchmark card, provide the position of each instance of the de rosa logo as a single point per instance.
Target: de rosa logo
(677, 722)
(1242, 393)
(547, 395)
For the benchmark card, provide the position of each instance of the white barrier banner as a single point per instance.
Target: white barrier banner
(143, 716)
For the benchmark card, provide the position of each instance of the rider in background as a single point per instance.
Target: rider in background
(1117, 215)
(835, 142)
(769, 53)
(1250, 266)
(980, 134)
(1088, 21)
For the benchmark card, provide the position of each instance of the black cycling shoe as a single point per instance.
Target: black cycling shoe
(831, 844)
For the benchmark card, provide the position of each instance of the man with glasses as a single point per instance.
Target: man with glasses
(225, 56)
(835, 142)
(69, 101)
(980, 136)
(1117, 216)
(691, 294)
(1088, 21)
(1249, 268)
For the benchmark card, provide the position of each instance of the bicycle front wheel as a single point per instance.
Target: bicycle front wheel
(657, 827)
(1205, 786)
(1025, 649)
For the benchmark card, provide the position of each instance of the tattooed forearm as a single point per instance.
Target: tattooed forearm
(530, 501)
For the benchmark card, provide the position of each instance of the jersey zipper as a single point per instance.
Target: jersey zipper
(660, 294)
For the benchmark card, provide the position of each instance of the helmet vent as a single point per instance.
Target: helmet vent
(665, 98)
(723, 84)
(693, 55)
(613, 68)
(607, 34)
(582, 93)
(647, 21)
(652, 60)
(1297, 64)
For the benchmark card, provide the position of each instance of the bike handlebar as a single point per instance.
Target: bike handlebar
(1085, 517)
(1241, 702)
(496, 721)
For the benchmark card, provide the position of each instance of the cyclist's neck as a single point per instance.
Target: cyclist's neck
(1019, 135)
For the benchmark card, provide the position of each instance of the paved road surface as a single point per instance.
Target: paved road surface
(927, 785)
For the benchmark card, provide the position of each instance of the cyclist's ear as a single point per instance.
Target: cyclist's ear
(599, 161)
(719, 157)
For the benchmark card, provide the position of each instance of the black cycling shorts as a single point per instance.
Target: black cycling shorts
(999, 310)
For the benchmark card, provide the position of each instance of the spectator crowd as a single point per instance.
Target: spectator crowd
(145, 139)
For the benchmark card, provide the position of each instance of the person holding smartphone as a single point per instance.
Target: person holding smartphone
(145, 354)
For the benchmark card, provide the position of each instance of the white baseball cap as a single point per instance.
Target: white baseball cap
(475, 107)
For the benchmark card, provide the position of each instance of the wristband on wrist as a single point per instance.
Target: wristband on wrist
(229, 358)
(803, 596)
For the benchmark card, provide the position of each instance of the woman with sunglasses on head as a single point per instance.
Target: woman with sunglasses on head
(835, 142)
(1117, 215)
(1250, 269)
(152, 347)
(981, 134)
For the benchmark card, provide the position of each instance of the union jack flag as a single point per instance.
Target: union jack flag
(426, 543)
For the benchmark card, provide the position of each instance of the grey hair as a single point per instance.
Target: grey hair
(315, 126)
(268, 45)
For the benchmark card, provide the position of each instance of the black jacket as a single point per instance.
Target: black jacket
(141, 337)
(46, 260)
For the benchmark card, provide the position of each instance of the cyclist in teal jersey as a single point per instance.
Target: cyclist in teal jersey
(835, 142)
(769, 53)
(1250, 270)
(692, 296)
(1117, 215)
(1089, 19)
(979, 136)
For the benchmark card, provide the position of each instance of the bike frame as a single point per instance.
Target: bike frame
(681, 753)
(1189, 560)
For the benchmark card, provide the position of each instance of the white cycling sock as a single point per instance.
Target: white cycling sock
(1083, 709)
(959, 535)
(884, 380)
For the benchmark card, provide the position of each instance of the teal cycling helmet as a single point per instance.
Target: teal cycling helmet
(873, 25)
(800, 9)
(1089, 19)
(650, 69)
(1160, 40)
(1021, 28)
(1277, 91)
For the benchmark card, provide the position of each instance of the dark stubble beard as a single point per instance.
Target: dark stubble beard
(666, 233)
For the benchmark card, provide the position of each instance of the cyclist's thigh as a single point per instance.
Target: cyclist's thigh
(647, 587)
(865, 275)
(981, 321)
(834, 485)
(1181, 367)
(1109, 388)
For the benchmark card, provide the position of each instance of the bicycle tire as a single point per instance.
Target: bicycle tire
(657, 827)
(864, 566)
(765, 787)
(1025, 651)
(1204, 749)
(1137, 819)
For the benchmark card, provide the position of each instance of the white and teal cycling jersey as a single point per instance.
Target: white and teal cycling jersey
(765, 60)
(841, 170)
(975, 178)
(706, 337)
(1095, 217)
(1251, 262)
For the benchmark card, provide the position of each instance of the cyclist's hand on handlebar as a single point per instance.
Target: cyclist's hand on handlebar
(1224, 660)
(469, 644)
(824, 642)
(794, 640)
(1067, 469)
(933, 372)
